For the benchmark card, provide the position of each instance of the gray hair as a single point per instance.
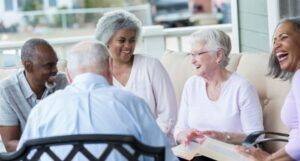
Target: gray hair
(113, 21)
(214, 39)
(87, 56)
(29, 48)
(274, 67)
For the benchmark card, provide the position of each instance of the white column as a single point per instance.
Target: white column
(273, 17)
(235, 27)
(1, 65)
(46, 4)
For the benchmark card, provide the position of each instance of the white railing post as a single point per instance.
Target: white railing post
(147, 14)
(64, 21)
(153, 41)
(235, 41)
(273, 18)
(1, 59)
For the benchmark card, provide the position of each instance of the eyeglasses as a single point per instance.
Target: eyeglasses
(203, 52)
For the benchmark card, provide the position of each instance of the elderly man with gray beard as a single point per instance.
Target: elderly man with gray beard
(19, 93)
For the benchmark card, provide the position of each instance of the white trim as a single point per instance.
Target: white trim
(273, 18)
(235, 27)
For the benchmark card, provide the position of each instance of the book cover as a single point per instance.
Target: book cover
(211, 148)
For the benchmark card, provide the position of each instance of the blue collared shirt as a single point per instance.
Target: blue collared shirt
(89, 106)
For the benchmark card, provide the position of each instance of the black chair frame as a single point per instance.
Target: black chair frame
(251, 139)
(42, 145)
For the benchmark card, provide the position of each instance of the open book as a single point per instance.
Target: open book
(211, 148)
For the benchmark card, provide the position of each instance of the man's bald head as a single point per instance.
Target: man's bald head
(88, 56)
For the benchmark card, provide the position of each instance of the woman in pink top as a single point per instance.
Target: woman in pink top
(285, 64)
(142, 75)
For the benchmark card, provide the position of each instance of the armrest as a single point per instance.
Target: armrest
(251, 139)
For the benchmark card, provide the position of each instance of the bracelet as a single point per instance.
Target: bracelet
(227, 137)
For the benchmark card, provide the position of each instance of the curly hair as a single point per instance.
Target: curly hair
(113, 21)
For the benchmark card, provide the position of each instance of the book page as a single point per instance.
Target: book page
(186, 151)
(211, 148)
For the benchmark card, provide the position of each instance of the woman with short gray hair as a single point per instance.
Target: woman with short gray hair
(216, 102)
(142, 75)
(215, 40)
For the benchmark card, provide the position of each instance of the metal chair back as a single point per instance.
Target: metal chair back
(32, 150)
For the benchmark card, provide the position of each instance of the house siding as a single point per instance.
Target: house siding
(253, 26)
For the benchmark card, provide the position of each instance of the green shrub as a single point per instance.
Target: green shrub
(69, 18)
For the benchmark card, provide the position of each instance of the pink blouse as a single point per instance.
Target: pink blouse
(290, 116)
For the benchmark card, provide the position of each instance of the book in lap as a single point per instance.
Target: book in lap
(211, 148)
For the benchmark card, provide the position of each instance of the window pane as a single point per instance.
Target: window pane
(20, 5)
(52, 3)
(8, 5)
(289, 8)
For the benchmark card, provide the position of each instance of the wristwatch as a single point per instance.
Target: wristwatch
(227, 137)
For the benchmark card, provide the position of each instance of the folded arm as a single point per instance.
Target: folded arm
(10, 137)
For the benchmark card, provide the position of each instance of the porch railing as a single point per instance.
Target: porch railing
(154, 41)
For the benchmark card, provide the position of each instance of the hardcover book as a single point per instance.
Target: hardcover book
(211, 148)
